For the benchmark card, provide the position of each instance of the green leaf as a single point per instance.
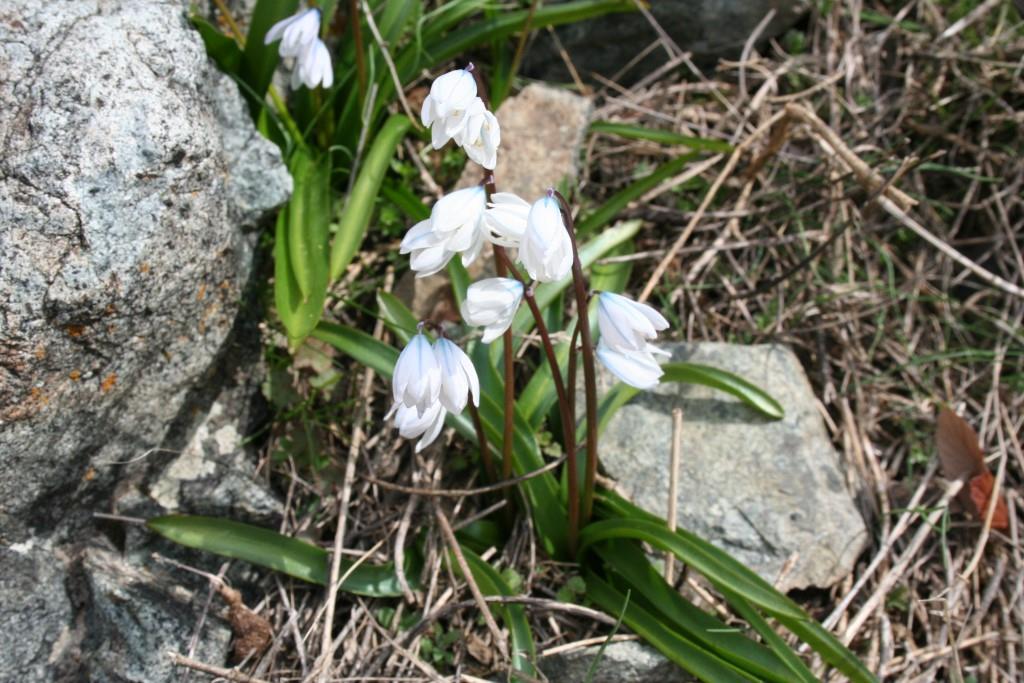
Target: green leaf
(727, 573)
(298, 314)
(404, 199)
(607, 212)
(677, 647)
(629, 565)
(258, 60)
(221, 48)
(309, 222)
(664, 137)
(359, 205)
(716, 566)
(362, 347)
(278, 552)
(460, 280)
(396, 316)
(694, 373)
(491, 582)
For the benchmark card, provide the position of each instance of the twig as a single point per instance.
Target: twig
(453, 545)
(709, 197)
(399, 89)
(460, 493)
(673, 487)
(228, 674)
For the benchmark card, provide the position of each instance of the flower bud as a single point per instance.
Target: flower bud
(546, 250)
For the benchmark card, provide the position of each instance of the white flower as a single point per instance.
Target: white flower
(491, 304)
(416, 382)
(313, 67)
(451, 100)
(637, 369)
(506, 218)
(627, 325)
(429, 254)
(627, 328)
(546, 250)
(296, 32)
(481, 137)
(458, 376)
(410, 424)
(455, 226)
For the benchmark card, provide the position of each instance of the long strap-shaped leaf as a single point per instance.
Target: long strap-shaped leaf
(625, 520)
(278, 552)
(629, 567)
(359, 205)
(686, 653)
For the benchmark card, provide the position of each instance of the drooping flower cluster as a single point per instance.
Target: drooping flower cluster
(300, 40)
(430, 380)
(453, 111)
(627, 328)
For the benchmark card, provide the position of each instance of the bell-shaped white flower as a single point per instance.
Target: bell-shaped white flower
(416, 381)
(446, 109)
(458, 376)
(481, 137)
(627, 325)
(491, 304)
(313, 67)
(428, 252)
(635, 368)
(505, 218)
(411, 424)
(296, 32)
(546, 250)
(456, 226)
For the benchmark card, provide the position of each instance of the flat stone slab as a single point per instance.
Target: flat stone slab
(765, 491)
(627, 661)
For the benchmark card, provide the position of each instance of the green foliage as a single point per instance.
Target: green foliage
(275, 551)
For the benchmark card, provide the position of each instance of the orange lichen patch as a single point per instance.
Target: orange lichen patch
(111, 309)
(143, 267)
(89, 475)
(40, 352)
(108, 382)
(75, 375)
(75, 330)
(201, 294)
(36, 395)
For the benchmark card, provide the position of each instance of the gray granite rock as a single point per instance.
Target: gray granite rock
(626, 661)
(764, 491)
(129, 168)
(132, 619)
(708, 29)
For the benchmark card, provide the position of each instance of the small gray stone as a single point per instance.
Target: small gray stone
(708, 29)
(626, 661)
(762, 490)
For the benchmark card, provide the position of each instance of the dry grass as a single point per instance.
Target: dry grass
(800, 244)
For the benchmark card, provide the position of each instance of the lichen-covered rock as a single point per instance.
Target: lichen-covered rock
(765, 491)
(129, 168)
